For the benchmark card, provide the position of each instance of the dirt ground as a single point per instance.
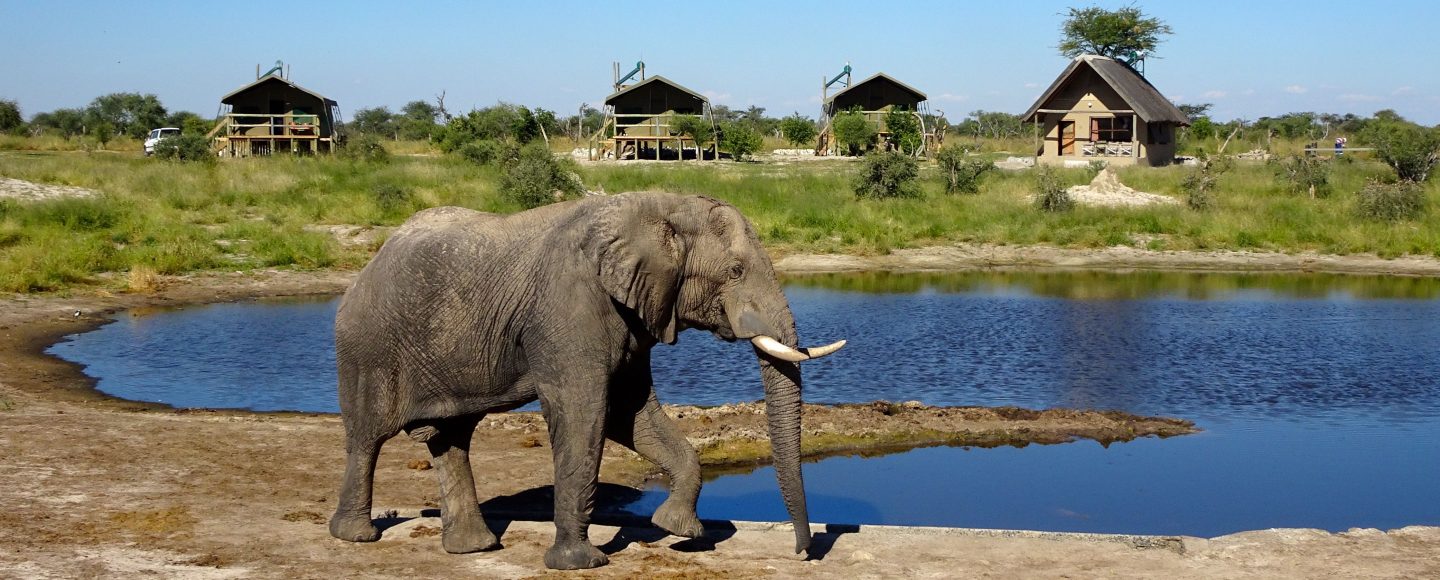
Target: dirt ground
(95, 487)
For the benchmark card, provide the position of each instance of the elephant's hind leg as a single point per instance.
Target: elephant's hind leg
(649, 432)
(463, 528)
(351, 521)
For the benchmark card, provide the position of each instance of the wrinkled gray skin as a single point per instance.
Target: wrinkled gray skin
(464, 313)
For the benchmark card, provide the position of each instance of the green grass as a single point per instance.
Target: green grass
(253, 213)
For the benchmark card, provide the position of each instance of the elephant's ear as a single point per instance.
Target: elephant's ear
(638, 258)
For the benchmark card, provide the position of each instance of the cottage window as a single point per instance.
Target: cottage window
(1111, 129)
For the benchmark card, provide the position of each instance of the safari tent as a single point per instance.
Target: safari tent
(273, 114)
(641, 119)
(1101, 109)
(874, 97)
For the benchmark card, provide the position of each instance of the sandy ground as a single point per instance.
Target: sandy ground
(27, 191)
(94, 487)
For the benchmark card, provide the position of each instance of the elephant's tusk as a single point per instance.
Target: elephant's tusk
(774, 348)
(820, 351)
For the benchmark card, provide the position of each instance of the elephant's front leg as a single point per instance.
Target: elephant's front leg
(637, 421)
(575, 413)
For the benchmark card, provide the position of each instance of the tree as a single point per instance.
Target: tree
(798, 130)
(887, 174)
(1410, 149)
(853, 131)
(1113, 33)
(374, 121)
(903, 130)
(67, 122)
(693, 126)
(10, 118)
(130, 114)
(417, 120)
(1196, 110)
(962, 174)
(740, 139)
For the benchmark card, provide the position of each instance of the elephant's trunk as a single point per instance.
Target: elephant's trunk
(782, 408)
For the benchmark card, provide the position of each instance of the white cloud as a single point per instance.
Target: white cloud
(717, 96)
(1214, 94)
(1296, 90)
(953, 97)
(1175, 98)
(1357, 98)
(1032, 85)
(1405, 90)
(1248, 92)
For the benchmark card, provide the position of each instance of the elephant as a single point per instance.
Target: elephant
(463, 313)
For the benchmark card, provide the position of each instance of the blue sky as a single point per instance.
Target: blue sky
(1248, 58)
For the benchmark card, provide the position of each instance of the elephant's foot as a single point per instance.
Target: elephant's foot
(678, 517)
(574, 556)
(468, 535)
(353, 528)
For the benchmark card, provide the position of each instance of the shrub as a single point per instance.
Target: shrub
(73, 213)
(740, 140)
(1303, 174)
(695, 127)
(798, 130)
(903, 130)
(1411, 150)
(1094, 168)
(1199, 185)
(538, 178)
(488, 151)
(853, 131)
(184, 148)
(1390, 201)
(365, 147)
(887, 174)
(1050, 192)
(392, 199)
(962, 174)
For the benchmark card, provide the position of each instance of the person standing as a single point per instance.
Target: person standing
(1339, 146)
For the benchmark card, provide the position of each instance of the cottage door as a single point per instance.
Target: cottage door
(1067, 137)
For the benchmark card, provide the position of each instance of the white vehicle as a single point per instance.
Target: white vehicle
(156, 135)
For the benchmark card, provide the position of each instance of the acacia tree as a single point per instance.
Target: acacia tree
(1112, 33)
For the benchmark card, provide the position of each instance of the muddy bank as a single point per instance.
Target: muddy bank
(981, 256)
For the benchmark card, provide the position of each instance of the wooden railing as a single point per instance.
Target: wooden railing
(659, 125)
(288, 126)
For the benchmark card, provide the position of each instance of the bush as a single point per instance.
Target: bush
(903, 130)
(962, 173)
(853, 131)
(393, 199)
(1050, 192)
(488, 151)
(888, 174)
(695, 127)
(798, 130)
(1303, 174)
(1199, 185)
(365, 147)
(740, 140)
(1390, 201)
(538, 178)
(184, 148)
(1093, 168)
(1411, 150)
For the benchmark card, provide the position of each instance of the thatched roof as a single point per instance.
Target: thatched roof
(273, 79)
(1141, 96)
(610, 100)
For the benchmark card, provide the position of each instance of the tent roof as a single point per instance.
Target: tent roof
(273, 78)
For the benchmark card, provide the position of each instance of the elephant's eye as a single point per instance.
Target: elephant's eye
(737, 271)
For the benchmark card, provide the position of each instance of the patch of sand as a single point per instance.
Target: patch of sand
(28, 191)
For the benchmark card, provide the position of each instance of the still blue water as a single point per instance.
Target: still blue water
(1320, 394)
